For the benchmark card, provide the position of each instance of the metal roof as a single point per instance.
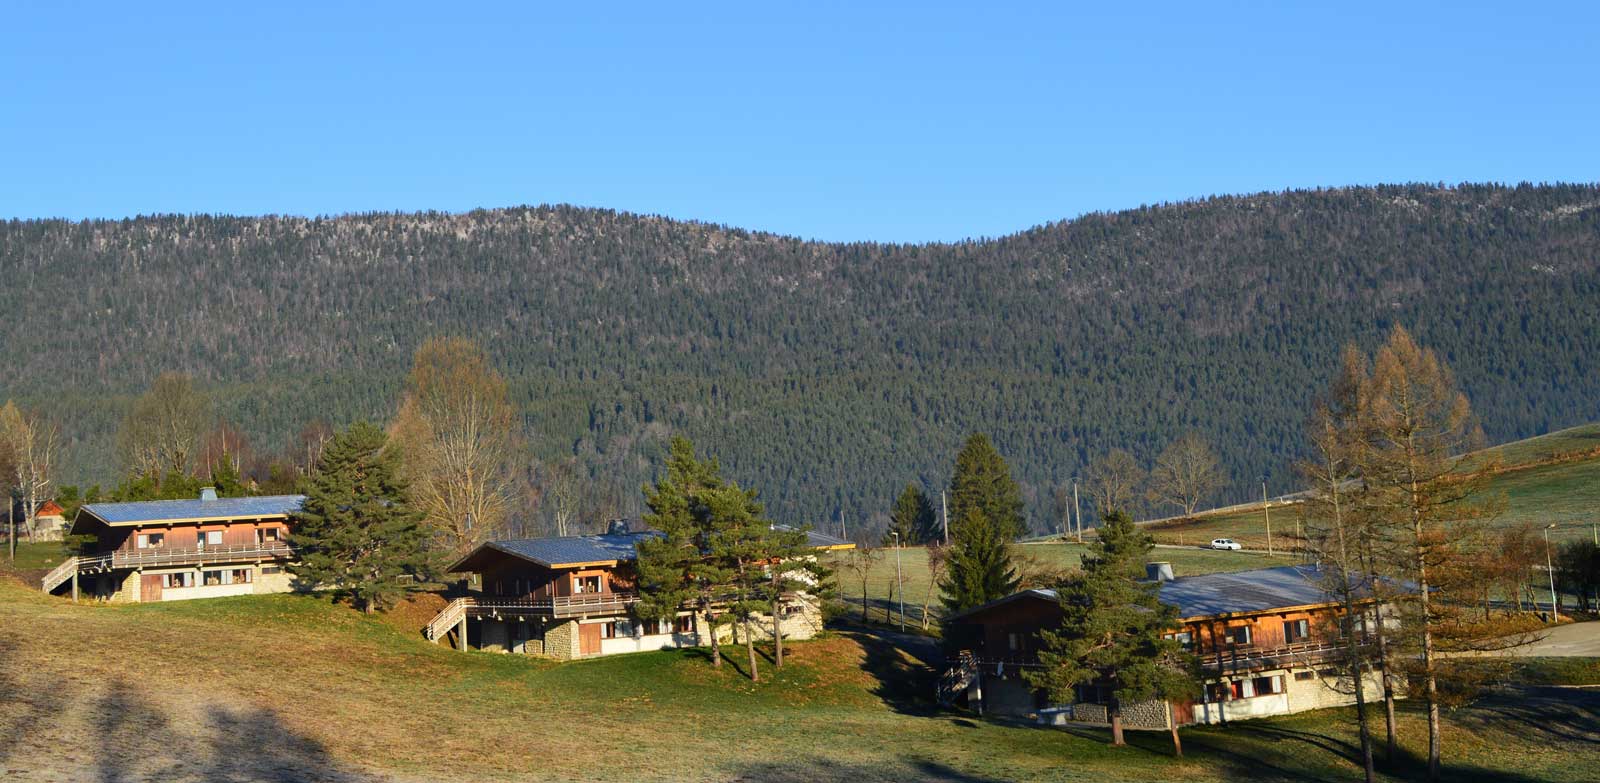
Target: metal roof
(192, 510)
(552, 552)
(1241, 592)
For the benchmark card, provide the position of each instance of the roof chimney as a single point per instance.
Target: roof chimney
(208, 493)
(1158, 572)
(617, 527)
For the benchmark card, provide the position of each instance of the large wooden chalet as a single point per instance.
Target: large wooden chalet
(571, 597)
(168, 550)
(1266, 640)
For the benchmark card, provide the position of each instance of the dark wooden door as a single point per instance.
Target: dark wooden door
(588, 638)
(149, 587)
(1183, 713)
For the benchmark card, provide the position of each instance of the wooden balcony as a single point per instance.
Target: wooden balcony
(559, 607)
(162, 556)
(1254, 658)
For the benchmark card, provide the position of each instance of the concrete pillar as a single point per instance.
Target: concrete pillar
(461, 634)
(74, 585)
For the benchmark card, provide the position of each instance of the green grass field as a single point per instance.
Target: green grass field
(1566, 494)
(293, 688)
(914, 565)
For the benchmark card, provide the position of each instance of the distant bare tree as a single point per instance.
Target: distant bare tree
(224, 442)
(938, 556)
(564, 492)
(1114, 481)
(860, 562)
(309, 443)
(1186, 473)
(32, 443)
(161, 432)
(454, 434)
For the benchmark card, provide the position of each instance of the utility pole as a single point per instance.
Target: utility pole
(1077, 509)
(1265, 513)
(844, 532)
(944, 524)
(11, 519)
(900, 585)
(1549, 567)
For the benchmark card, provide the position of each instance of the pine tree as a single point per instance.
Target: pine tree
(980, 566)
(982, 481)
(681, 567)
(793, 570)
(1114, 630)
(912, 519)
(357, 532)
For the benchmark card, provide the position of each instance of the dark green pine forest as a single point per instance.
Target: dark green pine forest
(827, 375)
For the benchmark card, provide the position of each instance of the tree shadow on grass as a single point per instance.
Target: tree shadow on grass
(1538, 714)
(28, 706)
(814, 770)
(905, 684)
(136, 740)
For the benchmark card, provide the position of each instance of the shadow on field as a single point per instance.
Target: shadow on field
(818, 769)
(905, 683)
(136, 741)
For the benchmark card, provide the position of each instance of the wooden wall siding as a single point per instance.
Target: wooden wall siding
(1266, 631)
(185, 536)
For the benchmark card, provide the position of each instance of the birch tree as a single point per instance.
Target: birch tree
(33, 443)
(454, 434)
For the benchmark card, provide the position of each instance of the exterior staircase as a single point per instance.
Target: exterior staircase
(59, 575)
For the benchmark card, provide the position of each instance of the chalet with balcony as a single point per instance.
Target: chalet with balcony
(572, 597)
(169, 550)
(1266, 640)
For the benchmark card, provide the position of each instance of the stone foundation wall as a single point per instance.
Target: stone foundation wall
(561, 641)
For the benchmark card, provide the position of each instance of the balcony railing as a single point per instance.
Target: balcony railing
(558, 606)
(161, 556)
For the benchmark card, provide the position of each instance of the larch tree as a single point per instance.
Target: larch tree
(1114, 481)
(1186, 473)
(160, 435)
(455, 434)
(1337, 527)
(1116, 632)
(911, 518)
(1418, 426)
(357, 532)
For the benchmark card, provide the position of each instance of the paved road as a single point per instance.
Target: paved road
(1576, 640)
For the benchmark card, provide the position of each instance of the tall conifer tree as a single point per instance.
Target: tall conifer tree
(1113, 631)
(357, 532)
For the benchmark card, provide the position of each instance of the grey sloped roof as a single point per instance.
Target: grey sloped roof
(194, 509)
(557, 551)
(1241, 592)
(1245, 591)
(820, 540)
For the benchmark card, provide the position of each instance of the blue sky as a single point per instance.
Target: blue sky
(840, 121)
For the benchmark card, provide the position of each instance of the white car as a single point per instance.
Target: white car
(1225, 543)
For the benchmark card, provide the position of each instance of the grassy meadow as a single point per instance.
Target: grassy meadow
(1036, 558)
(1549, 479)
(291, 687)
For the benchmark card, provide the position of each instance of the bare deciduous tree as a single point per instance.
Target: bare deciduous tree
(454, 433)
(1114, 481)
(1186, 473)
(32, 443)
(161, 433)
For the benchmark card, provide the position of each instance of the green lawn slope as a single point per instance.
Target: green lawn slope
(292, 688)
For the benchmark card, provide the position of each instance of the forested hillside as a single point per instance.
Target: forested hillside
(826, 375)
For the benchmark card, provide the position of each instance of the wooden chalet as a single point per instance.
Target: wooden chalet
(572, 597)
(1266, 640)
(168, 550)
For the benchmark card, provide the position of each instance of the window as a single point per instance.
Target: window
(1305, 675)
(1184, 638)
(585, 584)
(1296, 631)
(152, 540)
(683, 624)
(265, 570)
(209, 538)
(612, 630)
(1265, 686)
(1014, 641)
(269, 535)
(211, 578)
(242, 576)
(185, 579)
(226, 576)
(1239, 634)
